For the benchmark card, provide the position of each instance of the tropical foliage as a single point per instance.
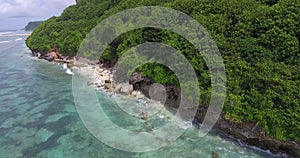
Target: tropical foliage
(259, 41)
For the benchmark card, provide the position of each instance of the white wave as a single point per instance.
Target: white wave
(160, 117)
(185, 125)
(68, 71)
(18, 39)
(4, 33)
(65, 66)
(4, 42)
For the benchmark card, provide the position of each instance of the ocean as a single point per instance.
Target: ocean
(38, 117)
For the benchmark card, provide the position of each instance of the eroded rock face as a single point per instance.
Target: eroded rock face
(252, 134)
(37, 54)
(124, 88)
(144, 84)
(248, 132)
(140, 83)
(50, 56)
(276, 146)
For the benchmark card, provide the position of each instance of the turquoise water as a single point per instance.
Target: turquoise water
(38, 117)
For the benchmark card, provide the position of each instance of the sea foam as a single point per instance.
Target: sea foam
(4, 42)
(4, 33)
(68, 71)
(65, 66)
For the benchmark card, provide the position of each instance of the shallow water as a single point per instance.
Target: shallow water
(38, 117)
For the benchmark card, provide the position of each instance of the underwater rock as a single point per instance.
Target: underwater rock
(144, 115)
(8, 123)
(43, 135)
(215, 155)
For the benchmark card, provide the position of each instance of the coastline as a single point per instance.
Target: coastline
(246, 132)
(101, 78)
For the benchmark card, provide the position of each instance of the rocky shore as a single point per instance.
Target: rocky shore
(253, 135)
(101, 78)
(138, 87)
(247, 132)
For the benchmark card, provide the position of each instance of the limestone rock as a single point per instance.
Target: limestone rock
(215, 155)
(107, 86)
(138, 94)
(126, 88)
(144, 115)
(51, 56)
(139, 82)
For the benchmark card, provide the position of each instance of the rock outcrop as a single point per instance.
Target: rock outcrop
(252, 134)
(124, 88)
(51, 55)
(140, 83)
(247, 132)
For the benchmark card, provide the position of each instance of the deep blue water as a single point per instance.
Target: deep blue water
(38, 117)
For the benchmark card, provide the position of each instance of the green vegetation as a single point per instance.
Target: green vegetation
(32, 25)
(259, 41)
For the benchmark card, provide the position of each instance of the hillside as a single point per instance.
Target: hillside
(258, 40)
(32, 25)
